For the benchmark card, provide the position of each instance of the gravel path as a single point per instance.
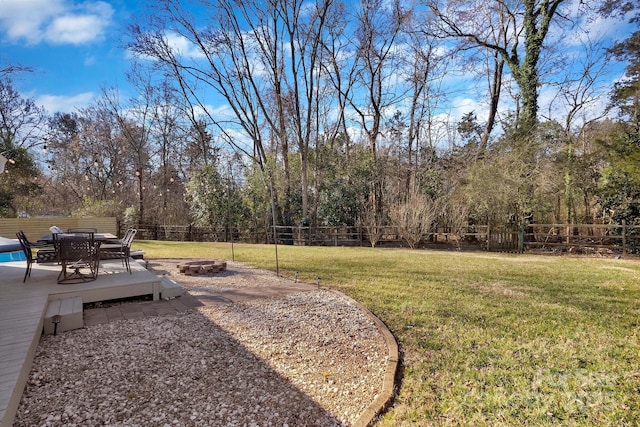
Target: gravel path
(303, 359)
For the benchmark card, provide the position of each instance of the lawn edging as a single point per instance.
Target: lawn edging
(386, 395)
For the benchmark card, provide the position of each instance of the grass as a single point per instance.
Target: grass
(486, 339)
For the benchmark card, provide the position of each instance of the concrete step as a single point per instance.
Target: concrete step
(169, 288)
(66, 312)
(142, 262)
(137, 254)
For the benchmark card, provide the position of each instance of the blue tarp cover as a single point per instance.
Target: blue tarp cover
(9, 245)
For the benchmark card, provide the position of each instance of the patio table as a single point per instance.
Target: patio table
(98, 237)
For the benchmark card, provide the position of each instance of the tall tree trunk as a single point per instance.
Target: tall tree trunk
(494, 89)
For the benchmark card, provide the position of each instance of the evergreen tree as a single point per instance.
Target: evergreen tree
(620, 183)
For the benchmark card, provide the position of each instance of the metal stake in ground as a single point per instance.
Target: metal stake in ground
(55, 319)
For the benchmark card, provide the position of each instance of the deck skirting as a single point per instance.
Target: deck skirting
(63, 315)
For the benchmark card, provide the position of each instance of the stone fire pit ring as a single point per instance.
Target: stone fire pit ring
(192, 268)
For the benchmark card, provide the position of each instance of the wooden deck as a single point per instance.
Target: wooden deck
(23, 307)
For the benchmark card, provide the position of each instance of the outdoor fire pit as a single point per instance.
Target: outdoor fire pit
(192, 268)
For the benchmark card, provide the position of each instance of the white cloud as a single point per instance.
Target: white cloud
(220, 113)
(22, 19)
(182, 46)
(590, 26)
(65, 104)
(75, 29)
(461, 106)
(238, 138)
(54, 21)
(179, 44)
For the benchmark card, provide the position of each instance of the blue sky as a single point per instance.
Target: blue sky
(74, 48)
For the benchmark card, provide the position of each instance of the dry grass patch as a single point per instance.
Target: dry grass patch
(503, 289)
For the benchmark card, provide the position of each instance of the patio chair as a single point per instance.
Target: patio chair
(44, 252)
(120, 250)
(77, 253)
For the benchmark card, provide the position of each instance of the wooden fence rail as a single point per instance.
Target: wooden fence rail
(575, 238)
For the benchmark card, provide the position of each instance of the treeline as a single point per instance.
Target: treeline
(259, 114)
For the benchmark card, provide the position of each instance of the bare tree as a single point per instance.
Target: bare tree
(500, 26)
(422, 66)
(136, 122)
(263, 59)
(379, 26)
(305, 27)
(7, 70)
(22, 128)
(88, 163)
(456, 218)
(415, 217)
(579, 91)
(168, 134)
(339, 72)
(22, 122)
(226, 62)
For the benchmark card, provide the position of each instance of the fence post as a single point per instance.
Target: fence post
(488, 237)
(624, 237)
(521, 239)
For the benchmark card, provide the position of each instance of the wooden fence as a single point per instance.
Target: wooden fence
(584, 238)
(561, 238)
(35, 228)
(577, 238)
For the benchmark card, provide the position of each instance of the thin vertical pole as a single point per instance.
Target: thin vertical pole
(275, 231)
(229, 226)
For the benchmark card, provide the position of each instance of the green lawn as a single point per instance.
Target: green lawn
(486, 339)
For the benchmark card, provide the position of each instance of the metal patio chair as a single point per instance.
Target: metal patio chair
(120, 250)
(35, 252)
(77, 253)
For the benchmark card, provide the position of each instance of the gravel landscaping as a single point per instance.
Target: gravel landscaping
(309, 358)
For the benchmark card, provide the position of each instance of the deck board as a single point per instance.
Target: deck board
(23, 306)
